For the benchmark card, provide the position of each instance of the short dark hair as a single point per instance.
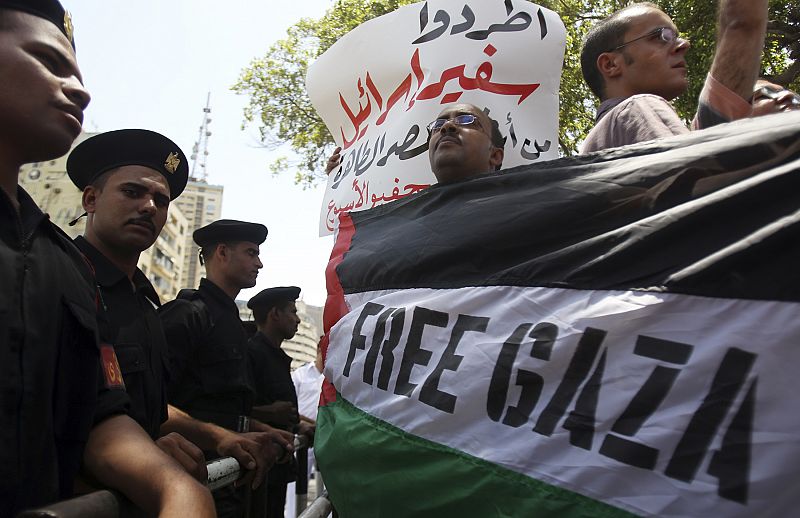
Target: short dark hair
(260, 313)
(498, 140)
(206, 252)
(99, 182)
(605, 35)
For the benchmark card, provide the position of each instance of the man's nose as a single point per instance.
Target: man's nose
(76, 92)
(149, 205)
(682, 44)
(259, 264)
(449, 125)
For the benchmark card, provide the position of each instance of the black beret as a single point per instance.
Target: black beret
(50, 10)
(271, 297)
(229, 231)
(100, 153)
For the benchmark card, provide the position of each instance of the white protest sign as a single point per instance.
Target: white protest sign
(379, 86)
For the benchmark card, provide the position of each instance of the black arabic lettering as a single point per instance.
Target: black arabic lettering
(344, 171)
(533, 155)
(411, 153)
(469, 21)
(366, 155)
(517, 22)
(511, 130)
(508, 26)
(401, 149)
(542, 24)
(440, 17)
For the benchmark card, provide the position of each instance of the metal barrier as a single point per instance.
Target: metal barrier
(99, 504)
(319, 508)
(112, 504)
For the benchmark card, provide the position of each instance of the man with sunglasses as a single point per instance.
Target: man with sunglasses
(634, 61)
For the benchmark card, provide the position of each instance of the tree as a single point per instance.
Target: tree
(280, 107)
(275, 84)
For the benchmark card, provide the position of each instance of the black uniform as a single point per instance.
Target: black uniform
(210, 378)
(271, 371)
(128, 320)
(52, 387)
(208, 362)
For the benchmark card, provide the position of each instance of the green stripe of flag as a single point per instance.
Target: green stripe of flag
(373, 469)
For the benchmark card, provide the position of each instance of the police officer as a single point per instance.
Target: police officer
(208, 343)
(128, 178)
(276, 317)
(51, 374)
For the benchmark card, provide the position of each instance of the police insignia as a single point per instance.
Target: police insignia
(172, 162)
(69, 29)
(111, 371)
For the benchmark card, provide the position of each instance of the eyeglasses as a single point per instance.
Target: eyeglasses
(667, 36)
(461, 120)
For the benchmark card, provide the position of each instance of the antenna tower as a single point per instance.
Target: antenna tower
(200, 148)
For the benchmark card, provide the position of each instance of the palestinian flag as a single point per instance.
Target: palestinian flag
(609, 335)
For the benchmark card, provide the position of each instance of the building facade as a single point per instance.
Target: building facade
(201, 203)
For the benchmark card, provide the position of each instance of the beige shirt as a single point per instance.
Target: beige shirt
(644, 117)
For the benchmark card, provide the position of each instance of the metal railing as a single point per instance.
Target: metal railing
(319, 508)
(112, 504)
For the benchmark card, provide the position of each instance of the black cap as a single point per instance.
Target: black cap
(50, 10)
(229, 230)
(271, 297)
(100, 153)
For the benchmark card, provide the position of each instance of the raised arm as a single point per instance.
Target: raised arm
(740, 42)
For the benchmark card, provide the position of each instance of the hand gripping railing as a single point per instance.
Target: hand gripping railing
(112, 504)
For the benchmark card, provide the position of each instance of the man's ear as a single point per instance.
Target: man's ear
(496, 158)
(89, 199)
(273, 312)
(610, 64)
(221, 249)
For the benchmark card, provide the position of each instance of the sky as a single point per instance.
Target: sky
(151, 64)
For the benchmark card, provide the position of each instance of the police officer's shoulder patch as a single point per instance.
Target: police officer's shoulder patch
(111, 371)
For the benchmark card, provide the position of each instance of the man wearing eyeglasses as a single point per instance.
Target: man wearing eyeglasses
(634, 61)
(462, 142)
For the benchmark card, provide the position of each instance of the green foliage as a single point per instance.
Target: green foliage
(280, 107)
(275, 84)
